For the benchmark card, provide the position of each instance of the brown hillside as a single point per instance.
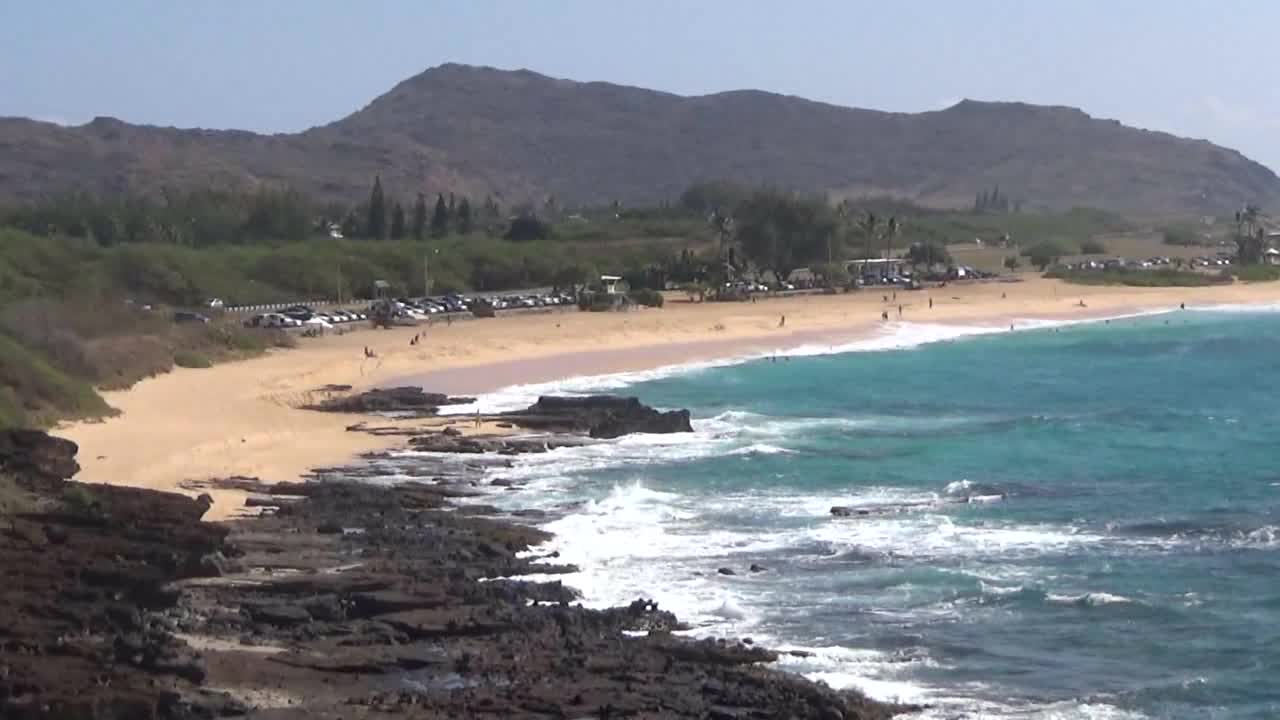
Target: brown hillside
(524, 136)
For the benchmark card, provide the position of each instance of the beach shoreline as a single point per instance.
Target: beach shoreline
(244, 418)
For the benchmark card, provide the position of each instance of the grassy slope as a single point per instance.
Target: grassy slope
(33, 392)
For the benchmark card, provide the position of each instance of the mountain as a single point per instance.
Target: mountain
(524, 136)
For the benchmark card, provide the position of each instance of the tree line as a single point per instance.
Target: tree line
(208, 217)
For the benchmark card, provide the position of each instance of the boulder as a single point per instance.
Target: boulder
(726, 571)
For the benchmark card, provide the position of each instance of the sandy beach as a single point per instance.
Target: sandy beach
(243, 419)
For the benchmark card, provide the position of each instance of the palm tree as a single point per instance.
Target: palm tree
(842, 220)
(1249, 234)
(869, 226)
(891, 231)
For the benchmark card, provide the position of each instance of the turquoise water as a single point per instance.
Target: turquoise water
(1077, 522)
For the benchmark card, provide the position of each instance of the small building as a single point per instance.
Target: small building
(1271, 256)
(879, 267)
(612, 284)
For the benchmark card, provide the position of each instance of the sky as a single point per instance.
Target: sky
(1191, 67)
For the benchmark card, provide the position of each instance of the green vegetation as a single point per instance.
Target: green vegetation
(55, 352)
(781, 232)
(647, 297)
(1139, 278)
(1254, 273)
(33, 392)
(1044, 254)
(1093, 246)
(994, 201)
(191, 359)
(78, 272)
(1181, 235)
(929, 252)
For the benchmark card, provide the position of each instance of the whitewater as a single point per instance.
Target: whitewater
(1074, 520)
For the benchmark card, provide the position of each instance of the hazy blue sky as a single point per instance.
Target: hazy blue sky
(1193, 67)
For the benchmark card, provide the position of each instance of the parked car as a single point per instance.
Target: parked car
(271, 320)
(186, 317)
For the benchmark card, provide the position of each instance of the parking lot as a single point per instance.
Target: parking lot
(402, 310)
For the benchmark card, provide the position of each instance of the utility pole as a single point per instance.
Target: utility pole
(426, 274)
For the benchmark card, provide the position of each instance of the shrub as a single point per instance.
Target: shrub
(1254, 273)
(1044, 254)
(33, 392)
(649, 298)
(1184, 236)
(1093, 246)
(1138, 278)
(191, 359)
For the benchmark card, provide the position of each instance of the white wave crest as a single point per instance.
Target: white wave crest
(1090, 599)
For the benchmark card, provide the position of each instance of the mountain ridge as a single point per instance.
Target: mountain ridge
(521, 136)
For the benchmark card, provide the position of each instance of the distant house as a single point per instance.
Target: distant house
(1271, 256)
(612, 284)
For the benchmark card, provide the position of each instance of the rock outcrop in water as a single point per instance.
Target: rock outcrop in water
(600, 416)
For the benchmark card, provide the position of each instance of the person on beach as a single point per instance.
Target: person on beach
(1182, 306)
(782, 321)
(930, 303)
(899, 311)
(1081, 303)
(477, 418)
(884, 315)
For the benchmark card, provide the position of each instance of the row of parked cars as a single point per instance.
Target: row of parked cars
(1148, 264)
(304, 316)
(421, 308)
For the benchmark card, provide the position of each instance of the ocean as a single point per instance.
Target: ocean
(1069, 521)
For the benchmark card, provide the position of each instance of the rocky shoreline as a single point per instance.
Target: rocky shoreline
(344, 599)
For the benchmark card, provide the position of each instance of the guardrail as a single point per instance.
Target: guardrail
(271, 307)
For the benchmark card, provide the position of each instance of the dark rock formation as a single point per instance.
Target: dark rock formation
(386, 616)
(411, 631)
(600, 416)
(86, 569)
(445, 442)
(34, 454)
(411, 400)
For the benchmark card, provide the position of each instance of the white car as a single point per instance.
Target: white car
(275, 320)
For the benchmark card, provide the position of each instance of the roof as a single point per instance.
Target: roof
(611, 278)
